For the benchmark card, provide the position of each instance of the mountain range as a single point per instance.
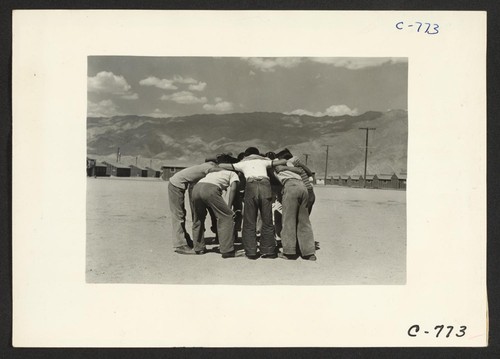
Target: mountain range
(189, 140)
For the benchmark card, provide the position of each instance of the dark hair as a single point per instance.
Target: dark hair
(284, 154)
(271, 155)
(226, 158)
(241, 155)
(252, 151)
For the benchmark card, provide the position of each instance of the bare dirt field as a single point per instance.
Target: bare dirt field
(362, 235)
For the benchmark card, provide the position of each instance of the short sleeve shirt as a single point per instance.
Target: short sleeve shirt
(222, 179)
(285, 175)
(254, 166)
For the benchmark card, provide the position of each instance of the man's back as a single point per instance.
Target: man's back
(253, 166)
(191, 174)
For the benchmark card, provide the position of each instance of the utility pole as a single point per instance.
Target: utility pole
(118, 154)
(136, 157)
(326, 163)
(367, 129)
(307, 156)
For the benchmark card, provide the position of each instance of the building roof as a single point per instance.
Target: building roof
(184, 163)
(176, 165)
(357, 177)
(344, 177)
(116, 164)
(151, 169)
(139, 168)
(100, 164)
(369, 177)
(401, 175)
(384, 177)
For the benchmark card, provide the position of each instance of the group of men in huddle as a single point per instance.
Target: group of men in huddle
(253, 183)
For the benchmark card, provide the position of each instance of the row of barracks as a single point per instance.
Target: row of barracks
(382, 181)
(108, 168)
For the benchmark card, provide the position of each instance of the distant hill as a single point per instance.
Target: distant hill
(190, 139)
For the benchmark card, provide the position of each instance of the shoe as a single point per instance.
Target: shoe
(211, 241)
(253, 256)
(312, 257)
(232, 254)
(316, 245)
(184, 250)
(269, 256)
(202, 251)
(287, 256)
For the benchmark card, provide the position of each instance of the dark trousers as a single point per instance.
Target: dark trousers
(311, 198)
(296, 224)
(205, 196)
(258, 197)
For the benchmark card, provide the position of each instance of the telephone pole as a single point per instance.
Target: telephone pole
(307, 156)
(367, 129)
(326, 162)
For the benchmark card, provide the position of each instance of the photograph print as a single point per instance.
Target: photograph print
(246, 171)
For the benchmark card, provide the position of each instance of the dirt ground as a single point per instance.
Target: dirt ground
(362, 235)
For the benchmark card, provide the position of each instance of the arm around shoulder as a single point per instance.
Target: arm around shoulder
(227, 166)
(275, 163)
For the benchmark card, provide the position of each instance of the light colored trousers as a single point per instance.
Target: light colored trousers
(180, 236)
(207, 195)
(296, 224)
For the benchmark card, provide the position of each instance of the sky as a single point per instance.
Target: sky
(183, 86)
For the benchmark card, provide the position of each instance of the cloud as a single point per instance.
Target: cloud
(200, 86)
(108, 82)
(158, 113)
(184, 80)
(269, 64)
(104, 108)
(219, 106)
(184, 97)
(170, 84)
(356, 63)
(303, 112)
(164, 84)
(334, 110)
(339, 110)
(132, 96)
